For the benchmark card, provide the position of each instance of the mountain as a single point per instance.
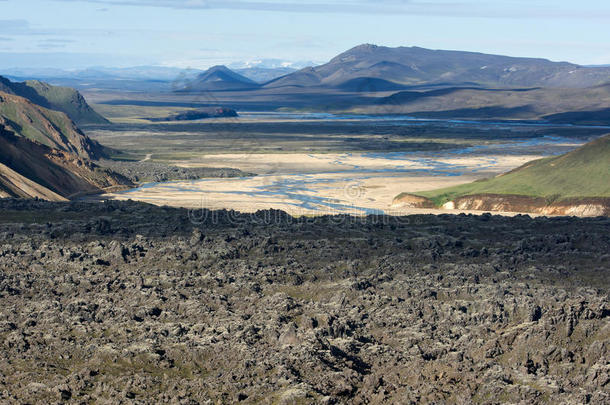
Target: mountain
(306, 77)
(19, 74)
(220, 78)
(572, 183)
(44, 154)
(262, 74)
(416, 66)
(134, 73)
(139, 78)
(198, 114)
(29, 169)
(264, 70)
(588, 105)
(48, 127)
(272, 64)
(63, 99)
(260, 71)
(369, 84)
(143, 73)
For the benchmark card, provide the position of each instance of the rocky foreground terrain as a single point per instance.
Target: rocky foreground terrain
(123, 302)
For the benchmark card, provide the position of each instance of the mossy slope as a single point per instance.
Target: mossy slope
(584, 172)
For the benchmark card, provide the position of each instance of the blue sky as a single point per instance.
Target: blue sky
(201, 33)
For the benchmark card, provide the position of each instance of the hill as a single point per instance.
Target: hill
(369, 84)
(220, 78)
(51, 128)
(64, 99)
(576, 178)
(414, 65)
(588, 105)
(29, 169)
(198, 114)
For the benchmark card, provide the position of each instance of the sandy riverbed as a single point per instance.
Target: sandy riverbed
(314, 184)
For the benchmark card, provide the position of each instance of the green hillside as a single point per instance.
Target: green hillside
(48, 127)
(67, 100)
(64, 99)
(584, 172)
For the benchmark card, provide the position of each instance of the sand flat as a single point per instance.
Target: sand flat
(315, 184)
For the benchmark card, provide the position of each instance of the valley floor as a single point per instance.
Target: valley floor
(315, 184)
(312, 164)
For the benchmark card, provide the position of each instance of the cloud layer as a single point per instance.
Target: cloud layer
(447, 8)
(201, 32)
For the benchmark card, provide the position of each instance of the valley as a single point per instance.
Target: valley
(320, 140)
(314, 164)
(395, 226)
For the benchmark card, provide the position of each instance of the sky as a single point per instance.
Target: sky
(75, 34)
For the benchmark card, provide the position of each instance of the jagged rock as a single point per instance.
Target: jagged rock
(310, 310)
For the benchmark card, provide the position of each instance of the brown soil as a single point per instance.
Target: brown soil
(592, 206)
(581, 207)
(412, 201)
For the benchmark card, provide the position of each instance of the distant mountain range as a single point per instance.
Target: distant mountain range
(416, 66)
(431, 83)
(271, 64)
(363, 68)
(144, 73)
(95, 76)
(262, 74)
(372, 79)
(264, 70)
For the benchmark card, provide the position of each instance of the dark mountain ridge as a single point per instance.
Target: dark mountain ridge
(220, 78)
(415, 65)
(587, 105)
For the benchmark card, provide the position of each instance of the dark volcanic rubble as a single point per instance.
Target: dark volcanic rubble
(123, 302)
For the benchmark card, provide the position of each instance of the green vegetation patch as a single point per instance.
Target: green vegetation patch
(584, 172)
